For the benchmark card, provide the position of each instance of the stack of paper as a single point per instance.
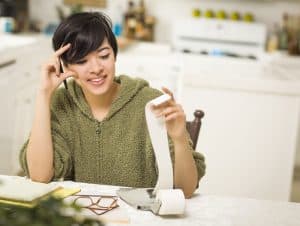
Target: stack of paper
(24, 192)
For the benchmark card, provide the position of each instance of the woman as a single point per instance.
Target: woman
(94, 130)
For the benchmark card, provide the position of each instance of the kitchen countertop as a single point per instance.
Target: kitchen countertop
(265, 76)
(147, 48)
(12, 43)
(9, 41)
(274, 73)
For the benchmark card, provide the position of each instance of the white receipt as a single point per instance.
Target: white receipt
(158, 134)
(164, 200)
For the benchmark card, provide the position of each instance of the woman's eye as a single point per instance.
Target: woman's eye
(81, 62)
(104, 56)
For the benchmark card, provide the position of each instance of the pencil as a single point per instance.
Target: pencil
(65, 84)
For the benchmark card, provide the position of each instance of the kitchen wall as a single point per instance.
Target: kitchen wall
(167, 11)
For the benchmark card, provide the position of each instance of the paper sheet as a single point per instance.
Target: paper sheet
(21, 189)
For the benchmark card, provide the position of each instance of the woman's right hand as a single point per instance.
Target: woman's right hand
(51, 75)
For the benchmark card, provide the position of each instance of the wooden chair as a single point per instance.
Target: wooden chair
(193, 127)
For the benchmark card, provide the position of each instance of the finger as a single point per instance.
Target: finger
(73, 73)
(166, 104)
(66, 75)
(170, 110)
(52, 66)
(172, 116)
(167, 91)
(49, 68)
(161, 106)
(61, 50)
(165, 111)
(57, 66)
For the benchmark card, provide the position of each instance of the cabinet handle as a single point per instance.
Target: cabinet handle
(7, 63)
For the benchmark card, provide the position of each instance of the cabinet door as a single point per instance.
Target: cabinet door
(7, 88)
(249, 141)
(159, 71)
(18, 84)
(28, 68)
(23, 118)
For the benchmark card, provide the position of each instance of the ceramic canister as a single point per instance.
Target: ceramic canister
(6, 24)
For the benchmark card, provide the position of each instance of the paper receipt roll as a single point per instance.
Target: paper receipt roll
(172, 201)
(159, 139)
(169, 201)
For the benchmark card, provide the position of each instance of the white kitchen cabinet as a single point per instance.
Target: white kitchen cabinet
(250, 130)
(18, 85)
(29, 70)
(163, 70)
(6, 99)
(24, 112)
(249, 138)
(285, 68)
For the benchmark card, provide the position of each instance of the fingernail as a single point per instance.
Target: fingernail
(158, 114)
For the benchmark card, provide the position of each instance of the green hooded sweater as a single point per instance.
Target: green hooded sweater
(114, 151)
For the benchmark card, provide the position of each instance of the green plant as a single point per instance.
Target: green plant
(49, 212)
(77, 8)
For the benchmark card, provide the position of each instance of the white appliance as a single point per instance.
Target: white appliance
(249, 134)
(219, 37)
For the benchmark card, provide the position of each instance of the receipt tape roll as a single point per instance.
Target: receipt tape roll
(159, 138)
(163, 199)
(172, 201)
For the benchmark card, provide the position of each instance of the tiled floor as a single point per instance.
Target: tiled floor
(295, 195)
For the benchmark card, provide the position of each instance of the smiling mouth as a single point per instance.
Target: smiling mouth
(97, 81)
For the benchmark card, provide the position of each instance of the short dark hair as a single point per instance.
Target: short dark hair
(86, 32)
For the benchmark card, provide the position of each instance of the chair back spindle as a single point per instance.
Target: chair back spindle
(193, 127)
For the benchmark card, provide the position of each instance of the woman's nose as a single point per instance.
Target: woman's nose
(96, 66)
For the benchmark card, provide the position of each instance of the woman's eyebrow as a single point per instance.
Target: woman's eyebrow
(103, 48)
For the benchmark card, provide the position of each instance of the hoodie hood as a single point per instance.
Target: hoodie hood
(129, 88)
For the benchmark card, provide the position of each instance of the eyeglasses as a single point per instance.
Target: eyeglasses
(98, 204)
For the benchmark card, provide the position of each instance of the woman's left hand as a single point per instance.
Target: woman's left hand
(174, 117)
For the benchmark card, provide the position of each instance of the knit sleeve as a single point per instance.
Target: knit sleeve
(200, 163)
(198, 157)
(62, 158)
(62, 155)
(63, 161)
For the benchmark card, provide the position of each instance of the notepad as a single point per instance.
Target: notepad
(24, 192)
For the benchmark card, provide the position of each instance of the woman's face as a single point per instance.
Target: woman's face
(95, 72)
